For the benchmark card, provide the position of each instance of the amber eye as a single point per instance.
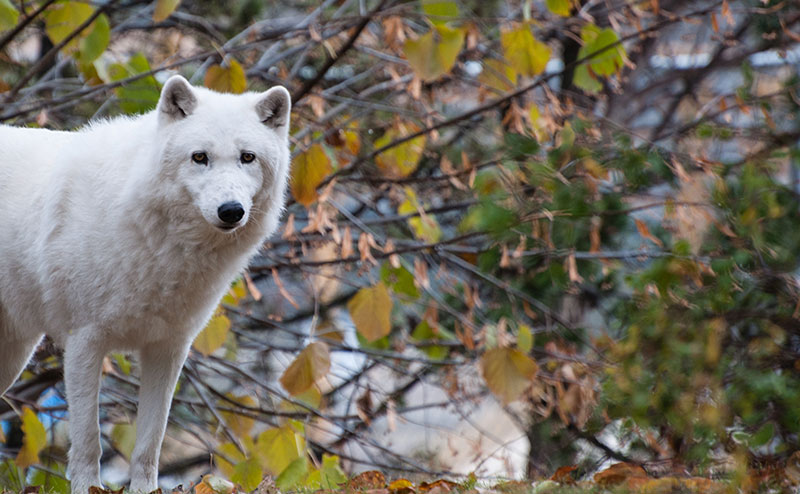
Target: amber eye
(247, 157)
(200, 158)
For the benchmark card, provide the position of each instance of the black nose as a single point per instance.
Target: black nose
(230, 212)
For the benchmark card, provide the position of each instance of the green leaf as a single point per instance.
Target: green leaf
(138, 96)
(308, 367)
(370, 310)
(9, 15)
(276, 448)
(214, 334)
(292, 475)
(309, 169)
(327, 477)
(559, 7)
(247, 474)
(508, 372)
(123, 437)
(762, 436)
(401, 160)
(440, 11)
(229, 77)
(96, 42)
(607, 62)
(525, 53)
(33, 441)
(604, 64)
(585, 80)
(488, 216)
(52, 481)
(164, 8)
(424, 332)
(400, 280)
(434, 53)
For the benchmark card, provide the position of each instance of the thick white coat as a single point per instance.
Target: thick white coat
(110, 239)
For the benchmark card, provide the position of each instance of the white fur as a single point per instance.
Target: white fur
(110, 240)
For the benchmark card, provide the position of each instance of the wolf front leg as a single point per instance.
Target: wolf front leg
(83, 359)
(161, 365)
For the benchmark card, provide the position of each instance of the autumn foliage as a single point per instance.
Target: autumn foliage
(583, 214)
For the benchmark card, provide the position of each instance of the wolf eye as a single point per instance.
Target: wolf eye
(247, 157)
(200, 158)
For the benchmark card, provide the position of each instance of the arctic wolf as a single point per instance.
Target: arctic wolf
(124, 236)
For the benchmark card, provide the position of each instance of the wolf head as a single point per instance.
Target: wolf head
(227, 153)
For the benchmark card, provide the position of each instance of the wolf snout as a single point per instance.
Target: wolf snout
(230, 213)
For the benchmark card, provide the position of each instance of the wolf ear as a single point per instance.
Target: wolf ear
(177, 99)
(274, 106)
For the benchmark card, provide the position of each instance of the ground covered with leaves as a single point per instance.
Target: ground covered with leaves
(619, 478)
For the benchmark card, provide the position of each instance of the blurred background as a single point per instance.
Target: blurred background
(520, 236)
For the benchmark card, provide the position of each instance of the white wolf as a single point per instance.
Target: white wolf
(124, 235)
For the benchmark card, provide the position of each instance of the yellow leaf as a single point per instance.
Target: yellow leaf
(310, 365)
(310, 398)
(123, 437)
(213, 336)
(226, 78)
(8, 15)
(525, 53)
(164, 8)
(247, 474)
(400, 161)
(440, 11)
(498, 75)
(508, 372)
(403, 485)
(434, 53)
(61, 20)
(559, 7)
(425, 227)
(34, 440)
(240, 425)
(371, 309)
(236, 293)
(524, 338)
(278, 447)
(309, 169)
(231, 452)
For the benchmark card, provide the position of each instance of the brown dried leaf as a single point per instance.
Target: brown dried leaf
(562, 475)
(371, 310)
(347, 243)
(645, 232)
(282, 289)
(619, 473)
(308, 367)
(371, 479)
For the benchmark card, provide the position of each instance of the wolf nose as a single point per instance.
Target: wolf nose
(230, 212)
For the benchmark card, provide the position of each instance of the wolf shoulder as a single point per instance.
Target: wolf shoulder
(34, 159)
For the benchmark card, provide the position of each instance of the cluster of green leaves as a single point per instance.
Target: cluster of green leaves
(707, 346)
